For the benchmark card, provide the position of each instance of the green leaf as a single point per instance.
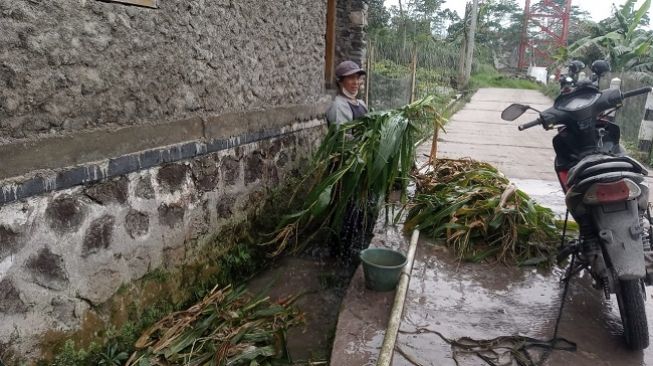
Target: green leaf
(638, 16)
(322, 202)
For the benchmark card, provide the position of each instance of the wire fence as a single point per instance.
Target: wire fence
(399, 72)
(635, 131)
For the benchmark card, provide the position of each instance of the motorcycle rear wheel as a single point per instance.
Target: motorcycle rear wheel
(630, 297)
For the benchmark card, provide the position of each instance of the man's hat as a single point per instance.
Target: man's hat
(347, 68)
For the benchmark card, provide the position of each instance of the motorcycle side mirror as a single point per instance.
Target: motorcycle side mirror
(600, 67)
(514, 111)
(576, 66)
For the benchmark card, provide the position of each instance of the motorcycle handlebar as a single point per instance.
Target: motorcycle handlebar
(529, 124)
(639, 91)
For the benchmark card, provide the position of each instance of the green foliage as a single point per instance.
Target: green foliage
(378, 16)
(157, 275)
(390, 69)
(480, 215)
(417, 18)
(551, 90)
(365, 158)
(113, 356)
(623, 43)
(635, 153)
(227, 327)
(70, 355)
(487, 77)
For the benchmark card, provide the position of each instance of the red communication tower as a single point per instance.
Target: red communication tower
(551, 22)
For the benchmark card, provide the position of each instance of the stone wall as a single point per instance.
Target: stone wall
(66, 252)
(129, 133)
(351, 37)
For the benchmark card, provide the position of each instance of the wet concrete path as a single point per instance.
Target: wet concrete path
(484, 301)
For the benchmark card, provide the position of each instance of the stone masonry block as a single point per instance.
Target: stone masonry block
(137, 223)
(275, 147)
(288, 141)
(254, 167)
(255, 200)
(272, 174)
(115, 190)
(98, 235)
(65, 214)
(47, 270)
(172, 176)
(144, 188)
(171, 215)
(10, 301)
(101, 285)
(282, 160)
(225, 206)
(63, 309)
(205, 173)
(230, 167)
(9, 242)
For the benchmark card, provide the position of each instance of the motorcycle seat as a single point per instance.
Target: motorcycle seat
(596, 164)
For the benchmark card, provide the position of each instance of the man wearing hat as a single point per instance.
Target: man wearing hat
(346, 106)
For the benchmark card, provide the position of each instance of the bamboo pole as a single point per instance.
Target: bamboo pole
(368, 76)
(413, 79)
(330, 56)
(387, 349)
(470, 43)
(434, 144)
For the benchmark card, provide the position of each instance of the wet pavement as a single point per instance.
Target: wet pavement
(484, 301)
(320, 283)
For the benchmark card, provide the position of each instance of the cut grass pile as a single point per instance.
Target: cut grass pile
(481, 216)
(358, 164)
(228, 327)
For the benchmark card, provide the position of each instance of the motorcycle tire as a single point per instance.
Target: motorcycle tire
(630, 297)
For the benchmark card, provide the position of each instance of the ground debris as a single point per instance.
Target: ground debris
(229, 326)
(503, 350)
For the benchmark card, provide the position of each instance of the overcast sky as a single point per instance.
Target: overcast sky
(598, 9)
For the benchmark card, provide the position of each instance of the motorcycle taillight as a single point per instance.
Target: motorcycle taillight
(621, 190)
(562, 178)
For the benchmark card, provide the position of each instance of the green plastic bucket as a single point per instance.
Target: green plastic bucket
(382, 268)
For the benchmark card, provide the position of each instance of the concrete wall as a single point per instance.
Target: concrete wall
(68, 66)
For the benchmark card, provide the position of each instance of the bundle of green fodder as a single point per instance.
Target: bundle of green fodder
(228, 327)
(357, 162)
(481, 215)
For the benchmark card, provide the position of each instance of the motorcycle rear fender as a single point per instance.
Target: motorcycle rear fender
(574, 199)
(619, 229)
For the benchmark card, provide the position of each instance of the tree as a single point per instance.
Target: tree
(627, 46)
(378, 16)
(417, 18)
(499, 28)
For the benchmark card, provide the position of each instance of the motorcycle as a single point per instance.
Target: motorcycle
(605, 193)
